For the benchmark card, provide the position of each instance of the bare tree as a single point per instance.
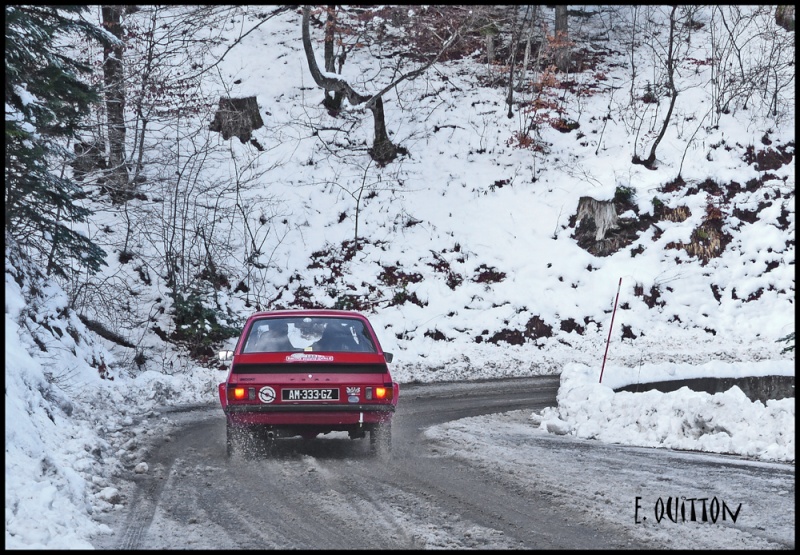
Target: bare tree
(532, 17)
(670, 62)
(179, 230)
(383, 150)
(562, 53)
(516, 31)
(114, 77)
(333, 99)
(753, 61)
(364, 184)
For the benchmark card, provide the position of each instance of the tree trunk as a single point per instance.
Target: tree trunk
(383, 150)
(784, 16)
(511, 64)
(649, 163)
(114, 79)
(526, 60)
(562, 38)
(333, 99)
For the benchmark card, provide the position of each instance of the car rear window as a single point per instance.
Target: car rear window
(308, 334)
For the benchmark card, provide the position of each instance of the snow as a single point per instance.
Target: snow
(69, 433)
(727, 422)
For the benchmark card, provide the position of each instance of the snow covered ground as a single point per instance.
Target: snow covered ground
(738, 504)
(486, 227)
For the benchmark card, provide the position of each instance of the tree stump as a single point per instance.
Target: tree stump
(237, 117)
(598, 228)
(600, 214)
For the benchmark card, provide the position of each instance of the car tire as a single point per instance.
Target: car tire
(380, 440)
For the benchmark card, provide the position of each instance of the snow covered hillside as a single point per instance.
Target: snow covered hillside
(468, 250)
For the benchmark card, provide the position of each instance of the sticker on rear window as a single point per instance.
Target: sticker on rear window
(308, 357)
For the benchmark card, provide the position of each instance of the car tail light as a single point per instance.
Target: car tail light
(380, 393)
(241, 393)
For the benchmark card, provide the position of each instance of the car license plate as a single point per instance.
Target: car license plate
(310, 394)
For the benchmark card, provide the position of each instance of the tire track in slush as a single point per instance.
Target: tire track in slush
(329, 493)
(143, 507)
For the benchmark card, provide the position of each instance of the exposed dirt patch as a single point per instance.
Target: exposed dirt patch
(678, 214)
(512, 337)
(534, 329)
(437, 335)
(627, 332)
(488, 274)
(569, 325)
(770, 158)
(393, 276)
(651, 299)
(749, 216)
(452, 278)
(708, 240)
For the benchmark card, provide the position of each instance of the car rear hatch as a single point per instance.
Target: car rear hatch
(267, 382)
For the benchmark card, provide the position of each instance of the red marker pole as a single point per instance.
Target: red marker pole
(609, 331)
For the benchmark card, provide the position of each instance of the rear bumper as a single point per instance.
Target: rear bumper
(305, 415)
(308, 408)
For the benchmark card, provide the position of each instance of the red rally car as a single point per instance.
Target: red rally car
(308, 372)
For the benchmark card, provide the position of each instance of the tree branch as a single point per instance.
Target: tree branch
(417, 72)
(325, 80)
(337, 84)
(275, 12)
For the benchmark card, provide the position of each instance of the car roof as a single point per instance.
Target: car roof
(309, 312)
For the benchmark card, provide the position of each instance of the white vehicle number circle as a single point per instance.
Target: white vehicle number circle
(266, 394)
